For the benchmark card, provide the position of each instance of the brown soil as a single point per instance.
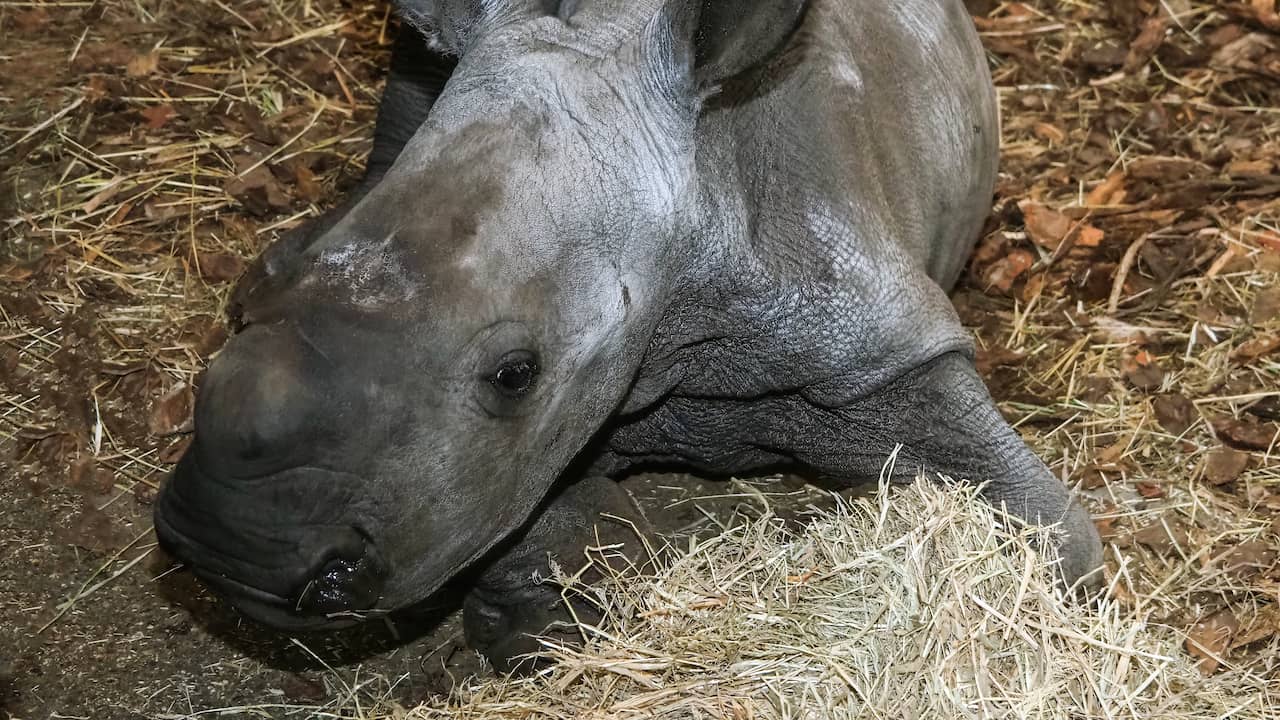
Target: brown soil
(1124, 297)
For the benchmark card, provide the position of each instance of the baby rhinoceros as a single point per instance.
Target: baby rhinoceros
(596, 235)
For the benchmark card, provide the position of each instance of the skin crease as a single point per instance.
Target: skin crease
(724, 230)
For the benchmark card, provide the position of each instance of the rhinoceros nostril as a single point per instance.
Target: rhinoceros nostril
(344, 582)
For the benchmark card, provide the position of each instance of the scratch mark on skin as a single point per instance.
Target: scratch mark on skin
(312, 344)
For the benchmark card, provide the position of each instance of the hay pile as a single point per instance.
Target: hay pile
(918, 603)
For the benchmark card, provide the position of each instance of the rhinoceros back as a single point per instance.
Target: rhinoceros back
(878, 124)
(851, 177)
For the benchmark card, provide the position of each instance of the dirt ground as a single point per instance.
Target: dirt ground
(1126, 300)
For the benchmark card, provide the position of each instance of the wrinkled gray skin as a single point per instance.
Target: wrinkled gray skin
(723, 229)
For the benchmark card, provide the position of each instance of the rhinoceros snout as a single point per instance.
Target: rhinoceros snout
(279, 568)
(266, 505)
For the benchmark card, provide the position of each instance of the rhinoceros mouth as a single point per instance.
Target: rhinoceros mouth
(290, 576)
(275, 611)
(324, 602)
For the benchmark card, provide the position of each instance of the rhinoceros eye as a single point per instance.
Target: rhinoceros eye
(516, 374)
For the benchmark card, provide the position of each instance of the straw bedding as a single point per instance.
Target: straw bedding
(1125, 297)
(921, 602)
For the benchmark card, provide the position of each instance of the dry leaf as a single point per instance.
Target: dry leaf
(1247, 559)
(1263, 11)
(303, 690)
(1090, 477)
(1167, 537)
(87, 476)
(157, 115)
(1050, 133)
(101, 55)
(259, 190)
(1089, 236)
(990, 358)
(1161, 167)
(144, 494)
(1045, 226)
(1003, 272)
(171, 413)
(1245, 435)
(1263, 625)
(1112, 453)
(1249, 168)
(1149, 39)
(1034, 287)
(1150, 490)
(1104, 55)
(220, 267)
(308, 188)
(1111, 330)
(143, 65)
(1225, 465)
(1109, 192)
(1209, 639)
(211, 341)
(93, 530)
(1224, 34)
(31, 21)
(1142, 371)
(1106, 527)
(1266, 306)
(1175, 413)
(1049, 228)
(1242, 52)
(1251, 350)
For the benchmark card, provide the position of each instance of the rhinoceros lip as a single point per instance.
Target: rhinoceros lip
(276, 611)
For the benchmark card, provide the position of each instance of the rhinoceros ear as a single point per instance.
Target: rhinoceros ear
(705, 42)
(448, 25)
(731, 36)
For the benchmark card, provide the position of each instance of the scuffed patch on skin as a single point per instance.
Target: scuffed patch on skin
(845, 72)
(374, 274)
(923, 20)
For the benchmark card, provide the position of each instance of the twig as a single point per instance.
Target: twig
(47, 122)
(85, 591)
(1122, 273)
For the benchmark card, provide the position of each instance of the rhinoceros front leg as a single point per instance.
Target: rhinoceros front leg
(947, 423)
(940, 412)
(512, 602)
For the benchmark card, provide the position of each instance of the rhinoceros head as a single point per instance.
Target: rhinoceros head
(411, 382)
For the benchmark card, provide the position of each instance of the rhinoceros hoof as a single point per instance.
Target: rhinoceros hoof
(507, 632)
